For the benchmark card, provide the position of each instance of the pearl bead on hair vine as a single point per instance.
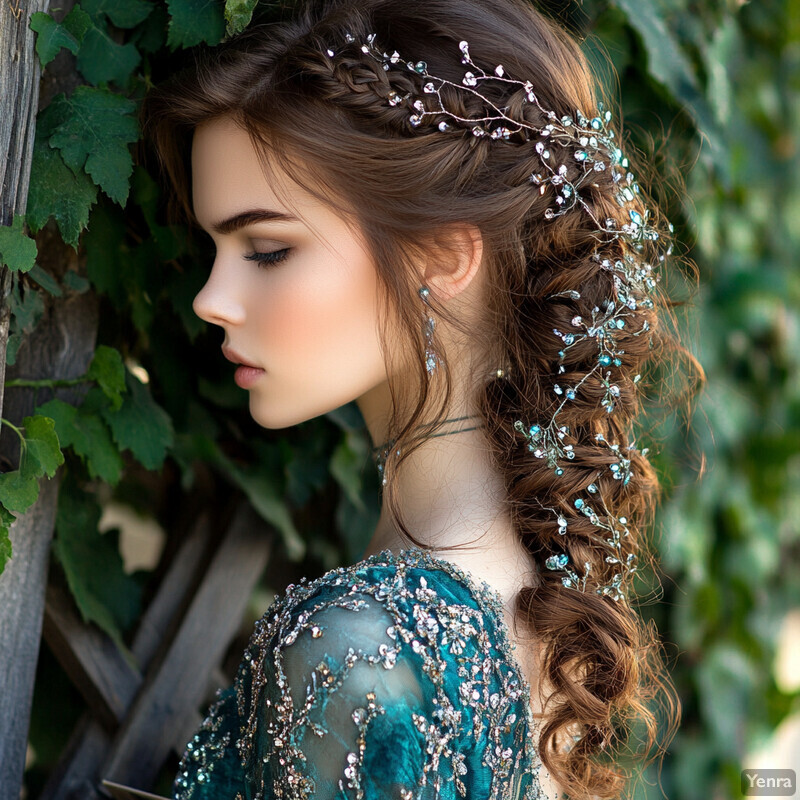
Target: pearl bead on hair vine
(592, 149)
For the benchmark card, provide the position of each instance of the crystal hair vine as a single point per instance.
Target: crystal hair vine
(594, 151)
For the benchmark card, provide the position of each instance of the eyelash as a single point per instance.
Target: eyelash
(267, 260)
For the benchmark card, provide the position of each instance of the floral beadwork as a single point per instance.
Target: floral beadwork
(397, 654)
(209, 748)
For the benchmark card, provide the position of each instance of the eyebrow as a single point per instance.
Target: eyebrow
(237, 221)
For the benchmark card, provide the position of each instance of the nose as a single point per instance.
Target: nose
(218, 301)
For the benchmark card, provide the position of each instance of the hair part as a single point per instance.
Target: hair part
(329, 126)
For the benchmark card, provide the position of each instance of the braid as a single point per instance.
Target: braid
(600, 664)
(592, 645)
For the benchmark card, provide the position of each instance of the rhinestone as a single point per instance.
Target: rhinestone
(557, 561)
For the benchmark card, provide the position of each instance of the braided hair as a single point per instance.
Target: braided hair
(334, 128)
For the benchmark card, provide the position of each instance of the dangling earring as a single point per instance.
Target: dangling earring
(431, 358)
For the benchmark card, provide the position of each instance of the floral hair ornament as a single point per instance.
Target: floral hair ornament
(594, 150)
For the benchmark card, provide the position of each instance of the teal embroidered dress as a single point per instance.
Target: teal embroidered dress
(391, 678)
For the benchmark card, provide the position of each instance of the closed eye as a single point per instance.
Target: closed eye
(266, 260)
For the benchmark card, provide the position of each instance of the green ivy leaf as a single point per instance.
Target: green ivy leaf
(101, 59)
(141, 425)
(238, 14)
(56, 191)
(103, 592)
(262, 493)
(27, 307)
(669, 66)
(92, 129)
(5, 548)
(45, 280)
(182, 288)
(139, 266)
(103, 241)
(18, 491)
(108, 370)
(42, 455)
(76, 283)
(6, 517)
(151, 36)
(347, 466)
(52, 35)
(145, 192)
(124, 15)
(86, 433)
(17, 249)
(195, 21)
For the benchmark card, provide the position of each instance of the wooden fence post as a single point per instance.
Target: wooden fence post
(60, 347)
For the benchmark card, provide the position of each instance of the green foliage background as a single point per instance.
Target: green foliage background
(716, 81)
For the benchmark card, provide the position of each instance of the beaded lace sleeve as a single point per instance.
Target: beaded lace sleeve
(376, 685)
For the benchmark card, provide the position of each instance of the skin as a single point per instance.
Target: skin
(311, 323)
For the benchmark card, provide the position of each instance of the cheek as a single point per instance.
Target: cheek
(322, 319)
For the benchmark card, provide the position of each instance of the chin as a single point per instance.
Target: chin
(274, 416)
(268, 418)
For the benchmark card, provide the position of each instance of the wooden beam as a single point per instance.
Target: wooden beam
(90, 658)
(158, 715)
(77, 772)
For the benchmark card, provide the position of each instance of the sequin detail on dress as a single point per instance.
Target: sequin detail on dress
(391, 678)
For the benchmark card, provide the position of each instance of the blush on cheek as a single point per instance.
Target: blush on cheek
(332, 308)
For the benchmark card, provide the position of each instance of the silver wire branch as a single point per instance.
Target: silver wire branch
(592, 146)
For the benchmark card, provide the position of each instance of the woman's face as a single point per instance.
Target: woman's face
(306, 318)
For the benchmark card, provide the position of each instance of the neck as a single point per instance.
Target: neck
(450, 496)
(421, 432)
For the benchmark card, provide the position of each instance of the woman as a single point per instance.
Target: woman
(422, 207)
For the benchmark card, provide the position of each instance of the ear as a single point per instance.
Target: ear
(454, 261)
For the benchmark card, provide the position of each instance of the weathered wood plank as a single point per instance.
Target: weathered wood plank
(158, 715)
(19, 97)
(77, 772)
(21, 612)
(90, 658)
(23, 582)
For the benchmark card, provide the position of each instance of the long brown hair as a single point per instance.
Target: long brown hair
(329, 125)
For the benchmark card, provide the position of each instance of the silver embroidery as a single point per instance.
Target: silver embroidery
(438, 633)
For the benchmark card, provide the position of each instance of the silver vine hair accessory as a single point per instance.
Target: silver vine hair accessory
(592, 149)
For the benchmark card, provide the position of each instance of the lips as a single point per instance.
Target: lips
(233, 356)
